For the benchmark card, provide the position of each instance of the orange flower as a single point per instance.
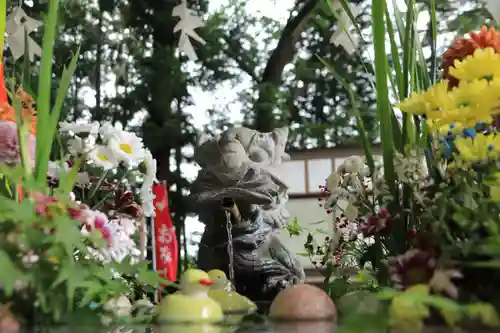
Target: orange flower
(462, 47)
(7, 112)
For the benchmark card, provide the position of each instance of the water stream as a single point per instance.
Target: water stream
(230, 251)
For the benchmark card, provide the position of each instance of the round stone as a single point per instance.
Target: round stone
(303, 302)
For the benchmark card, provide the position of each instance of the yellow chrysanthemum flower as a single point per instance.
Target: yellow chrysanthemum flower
(483, 64)
(444, 130)
(481, 148)
(494, 93)
(438, 96)
(464, 106)
(415, 104)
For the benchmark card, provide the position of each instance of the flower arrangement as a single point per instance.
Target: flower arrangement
(109, 151)
(420, 226)
(67, 226)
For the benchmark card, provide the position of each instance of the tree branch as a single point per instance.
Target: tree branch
(282, 55)
(234, 52)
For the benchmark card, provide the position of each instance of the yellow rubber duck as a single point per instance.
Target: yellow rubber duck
(230, 301)
(192, 304)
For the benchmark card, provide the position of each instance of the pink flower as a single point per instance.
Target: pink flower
(9, 144)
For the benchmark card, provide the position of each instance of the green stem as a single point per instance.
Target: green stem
(103, 200)
(99, 184)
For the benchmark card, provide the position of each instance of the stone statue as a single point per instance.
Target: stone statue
(239, 171)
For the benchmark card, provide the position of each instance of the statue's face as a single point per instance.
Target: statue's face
(269, 147)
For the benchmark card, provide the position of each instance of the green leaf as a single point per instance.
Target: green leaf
(9, 274)
(67, 184)
(337, 288)
(74, 276)
(387, 294)
(485, 312)
(92, 289)
(451, 316)
(293, 227)
(152, 278)
(67, 234)
(44, 134)
(384, 109)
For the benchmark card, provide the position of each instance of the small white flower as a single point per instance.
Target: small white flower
(82, 178)
(147, 197)
(150, 164)
(53, 170)
(75, 128)
(104, 157)
(75, 146)
(71, 197)
(127, 147)
(30, 259)
(128, 225)
(333, 181)
(335, 195)
(353, 164)
(144, 303)
(120, 306)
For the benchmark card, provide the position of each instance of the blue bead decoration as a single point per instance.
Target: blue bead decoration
(470, 132)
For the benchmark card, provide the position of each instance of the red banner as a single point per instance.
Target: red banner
(164, 238)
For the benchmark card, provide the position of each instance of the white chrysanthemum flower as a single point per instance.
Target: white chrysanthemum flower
(75, 128)
(104, 157)
(107, 131)
(127, 147)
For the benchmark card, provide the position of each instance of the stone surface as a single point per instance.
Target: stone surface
(303, 302)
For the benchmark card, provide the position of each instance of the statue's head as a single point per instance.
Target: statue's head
(267, 148)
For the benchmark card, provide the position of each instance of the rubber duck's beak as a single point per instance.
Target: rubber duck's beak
(206, 282)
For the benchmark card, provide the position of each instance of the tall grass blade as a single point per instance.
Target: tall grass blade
(384, 110)
(3, 19)
(44, 135)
